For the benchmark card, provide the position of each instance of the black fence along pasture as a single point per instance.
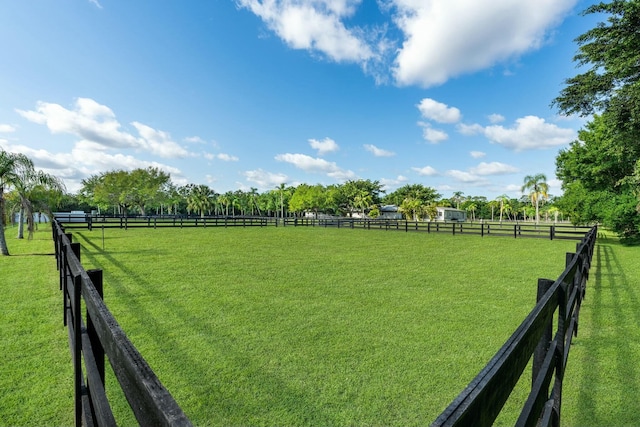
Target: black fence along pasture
(481, 402)
(508, 229)
(96, 334)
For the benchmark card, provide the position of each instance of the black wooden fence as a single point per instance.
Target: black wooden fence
(94, 334)
(509, 229)
(481, 402)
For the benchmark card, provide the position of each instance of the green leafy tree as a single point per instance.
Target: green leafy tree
(140, 188)
(416, 191)
(595, 170)
(360, 188)
(308, 198)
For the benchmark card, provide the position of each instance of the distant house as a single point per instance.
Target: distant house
(451, 214)
(390, 212)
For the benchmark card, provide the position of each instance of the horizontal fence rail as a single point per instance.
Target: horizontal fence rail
(96, 334)
(482, 400)
(508, 229)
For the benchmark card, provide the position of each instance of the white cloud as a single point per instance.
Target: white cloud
(470, 130)
(389, 185)
(85, 159)
(426, 171)
(529, 133)
(227, 157)
(496, 118)
(477, 154)
(316, 25)
(434, 136)
(325, 146)
(316, 165)
(493, 168)
(96, 3)
(378, 152)
(7, 128)
(194, 140)
(94, 122)
(441, 113)
(264, 179)
(476, 34)
(158, 142)
(462, 176)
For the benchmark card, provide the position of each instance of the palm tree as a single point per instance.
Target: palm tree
(34, 187)
(281, 188)
(458, 198)
(504, 205)
(362, 200)
(10, 165)
(471, 207)
(553, 210)
(538, 189)
(493, 205)
(200, 199)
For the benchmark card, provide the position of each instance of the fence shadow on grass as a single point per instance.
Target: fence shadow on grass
(611, 363)
(275, 389)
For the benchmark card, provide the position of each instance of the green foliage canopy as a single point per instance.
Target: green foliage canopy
(598, 170)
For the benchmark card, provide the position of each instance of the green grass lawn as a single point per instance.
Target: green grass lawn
(302, 326)
(313, 326)
(36, 375)
(603, 374)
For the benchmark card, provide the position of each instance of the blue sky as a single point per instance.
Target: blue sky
(452, 94)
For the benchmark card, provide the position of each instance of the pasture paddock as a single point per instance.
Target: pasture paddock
(357, 336)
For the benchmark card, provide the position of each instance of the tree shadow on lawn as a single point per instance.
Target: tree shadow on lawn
(270, 394)
(610, 382)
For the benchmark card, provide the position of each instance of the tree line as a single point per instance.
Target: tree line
(151, 192)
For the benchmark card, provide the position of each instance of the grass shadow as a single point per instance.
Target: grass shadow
(610, 381)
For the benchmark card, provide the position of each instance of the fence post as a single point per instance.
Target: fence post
(75, 248)
(545, 340)
(552, 232)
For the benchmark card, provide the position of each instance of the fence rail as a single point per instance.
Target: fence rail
(516, 230)
(96, 334)
(481, 402)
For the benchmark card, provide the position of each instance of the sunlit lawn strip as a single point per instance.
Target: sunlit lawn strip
(310, 326)
(36, 383)
(603, 374)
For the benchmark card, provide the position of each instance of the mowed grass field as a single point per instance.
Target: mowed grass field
(314, 326)
(300, 326)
